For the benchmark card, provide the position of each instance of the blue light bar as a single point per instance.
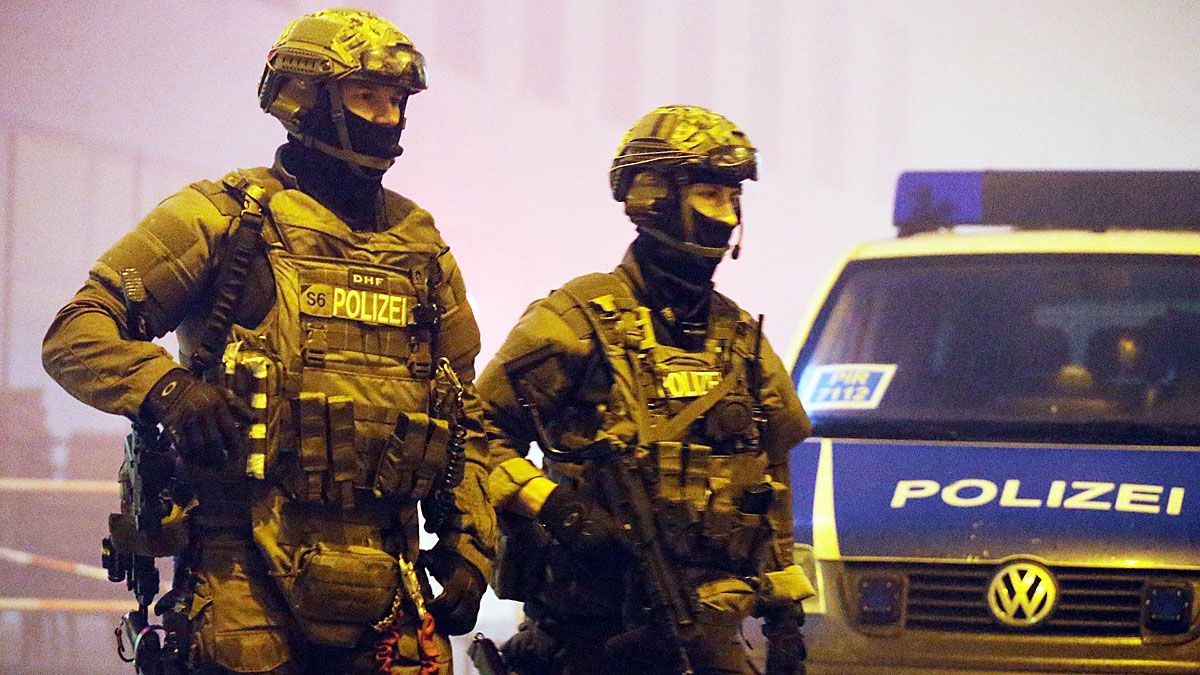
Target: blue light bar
(1048, 199)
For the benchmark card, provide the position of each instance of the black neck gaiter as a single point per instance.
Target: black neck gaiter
(676, 282)
(350, 196)
(352, 192)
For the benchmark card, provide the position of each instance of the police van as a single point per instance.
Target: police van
(1004, 473)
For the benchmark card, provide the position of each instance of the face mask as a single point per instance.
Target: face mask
(373, 139)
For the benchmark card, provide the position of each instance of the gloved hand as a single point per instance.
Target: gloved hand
(530, 651)
(785, 643)
(577, 523)
(457, 606)
(203, 421)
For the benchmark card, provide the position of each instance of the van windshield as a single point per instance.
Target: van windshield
(1040, 347)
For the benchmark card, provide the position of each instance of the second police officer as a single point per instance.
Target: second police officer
(650, 370)
(351, 346)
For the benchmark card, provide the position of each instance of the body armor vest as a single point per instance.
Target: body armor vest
(695, 422)
(340, 374)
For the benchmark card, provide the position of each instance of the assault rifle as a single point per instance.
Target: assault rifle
(667, 607)
(146, 478)
(666, 601)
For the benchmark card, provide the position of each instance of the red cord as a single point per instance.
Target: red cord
(427, 646)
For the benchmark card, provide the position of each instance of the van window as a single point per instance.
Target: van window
(985, 347)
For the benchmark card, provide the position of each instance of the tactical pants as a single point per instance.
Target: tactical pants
(241, 624)
(718, 650)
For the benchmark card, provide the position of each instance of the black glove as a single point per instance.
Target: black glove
(578, 524)
(203, 421)
(457, 606)
(530, 651)
(785, 643)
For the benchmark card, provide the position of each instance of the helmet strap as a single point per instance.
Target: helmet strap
(337, 112)
(716, 252)
(345, 152)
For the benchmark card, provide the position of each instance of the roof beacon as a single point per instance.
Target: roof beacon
(1081, 200)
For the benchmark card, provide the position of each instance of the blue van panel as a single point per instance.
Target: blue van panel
(1122, 507)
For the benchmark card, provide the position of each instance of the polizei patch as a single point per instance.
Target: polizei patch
(690, 383)
(356, 304)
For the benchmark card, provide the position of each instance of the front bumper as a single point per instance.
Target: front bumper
(839, 643)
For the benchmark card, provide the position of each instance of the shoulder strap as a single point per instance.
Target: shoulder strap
(600, 311)
(233, 270)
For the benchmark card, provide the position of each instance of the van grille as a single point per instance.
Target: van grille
(1091, 602)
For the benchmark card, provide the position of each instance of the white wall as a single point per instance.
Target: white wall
(527, 100)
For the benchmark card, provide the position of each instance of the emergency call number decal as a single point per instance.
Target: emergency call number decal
(846, 386)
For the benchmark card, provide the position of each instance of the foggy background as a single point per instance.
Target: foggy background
(106, 107)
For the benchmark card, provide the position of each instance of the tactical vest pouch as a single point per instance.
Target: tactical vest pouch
(333, 589)
(414, 458)
(734, 535)
(312, 461)
(682, 472)
(352, 584)
(682, 492)
(325, 466)
(343, 459)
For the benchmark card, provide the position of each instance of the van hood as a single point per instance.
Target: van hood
(1119, 506)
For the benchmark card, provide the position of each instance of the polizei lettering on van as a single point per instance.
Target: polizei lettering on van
(1078, 494)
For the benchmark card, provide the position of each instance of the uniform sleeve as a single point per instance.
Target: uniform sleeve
(87, 350)
(787, 425)
(553, 349)
(471, 531)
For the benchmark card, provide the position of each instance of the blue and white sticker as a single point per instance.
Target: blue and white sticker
(846, 386)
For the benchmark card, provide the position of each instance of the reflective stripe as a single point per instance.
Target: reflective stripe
(825, 536)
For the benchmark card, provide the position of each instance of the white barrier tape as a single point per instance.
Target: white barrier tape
(52, 485)
(65, 605)
(23, 558)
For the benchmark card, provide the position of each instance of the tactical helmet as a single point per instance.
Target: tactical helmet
(681, 139)
(321, 48)
(669, 148)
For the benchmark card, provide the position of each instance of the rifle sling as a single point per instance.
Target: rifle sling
(231, 276)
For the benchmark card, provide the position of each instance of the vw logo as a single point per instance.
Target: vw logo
(1022, 594)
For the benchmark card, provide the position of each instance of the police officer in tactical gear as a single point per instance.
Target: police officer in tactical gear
(340, 392)
(652, 360)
